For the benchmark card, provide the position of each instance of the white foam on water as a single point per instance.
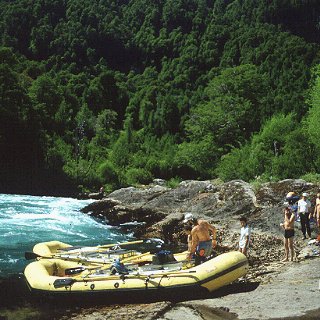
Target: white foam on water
(26, 220)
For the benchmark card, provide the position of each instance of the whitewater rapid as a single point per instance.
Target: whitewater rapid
(26, 220)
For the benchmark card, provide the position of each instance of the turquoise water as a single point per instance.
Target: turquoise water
(26, 220)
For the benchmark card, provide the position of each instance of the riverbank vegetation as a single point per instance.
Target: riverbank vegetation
(119, 92)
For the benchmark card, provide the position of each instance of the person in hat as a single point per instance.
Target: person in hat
(303, 209)
(203, 238)
(188, 217)
(288, 226)
(292, 198)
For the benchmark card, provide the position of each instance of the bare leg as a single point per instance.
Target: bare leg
(244, 251)
(286, 248)
(291, 248)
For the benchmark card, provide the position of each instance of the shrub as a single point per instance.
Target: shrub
(135, 176)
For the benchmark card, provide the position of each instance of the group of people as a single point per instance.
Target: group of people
(298, 209)
(202, 236)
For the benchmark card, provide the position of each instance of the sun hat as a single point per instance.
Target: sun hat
(187, 217)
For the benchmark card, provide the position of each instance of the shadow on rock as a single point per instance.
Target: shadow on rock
(233, 288)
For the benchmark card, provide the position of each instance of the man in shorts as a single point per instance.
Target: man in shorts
(203, 238)
(288, 226)
(244, 236)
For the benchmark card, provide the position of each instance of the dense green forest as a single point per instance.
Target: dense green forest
(119, 92)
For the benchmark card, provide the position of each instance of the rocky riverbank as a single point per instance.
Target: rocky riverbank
(271, 290)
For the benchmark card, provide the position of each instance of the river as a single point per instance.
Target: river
(26, 220)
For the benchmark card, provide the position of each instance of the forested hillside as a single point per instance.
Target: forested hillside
(118, 92)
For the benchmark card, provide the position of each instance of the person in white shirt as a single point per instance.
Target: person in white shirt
(244, 236)
(303, 209)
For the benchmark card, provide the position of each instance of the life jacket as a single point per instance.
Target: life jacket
(118, 267)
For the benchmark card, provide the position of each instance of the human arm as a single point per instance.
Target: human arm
(247, 236)
(247, 242)
(194, 242)
(189, 242)
(282, 224)
(213, 231)
(292, 218)
(316, 209)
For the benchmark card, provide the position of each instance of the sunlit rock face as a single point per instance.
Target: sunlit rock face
(157, 211)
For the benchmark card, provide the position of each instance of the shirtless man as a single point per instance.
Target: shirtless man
(288, 226)
(201, 242)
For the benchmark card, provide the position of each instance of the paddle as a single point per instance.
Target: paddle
(78, 248)
(146, 244)
(126, 261)
(64, 282)
(80, 269)
(31, 255)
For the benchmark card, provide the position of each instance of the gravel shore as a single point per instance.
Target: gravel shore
(290, 292)
(271, 290)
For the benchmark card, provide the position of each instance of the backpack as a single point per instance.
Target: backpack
(162, 257)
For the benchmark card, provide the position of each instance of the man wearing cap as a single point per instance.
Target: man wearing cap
(201, 242)
(303, 210)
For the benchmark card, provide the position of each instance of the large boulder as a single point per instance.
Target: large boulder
(158, 211)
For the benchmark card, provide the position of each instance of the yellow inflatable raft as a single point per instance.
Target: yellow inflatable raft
(49, 276)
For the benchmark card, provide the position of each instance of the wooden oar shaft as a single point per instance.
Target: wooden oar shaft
(97, 249)
(121, 244)
(32, 255)
(127, 262)
(137, 275)
(69, 281)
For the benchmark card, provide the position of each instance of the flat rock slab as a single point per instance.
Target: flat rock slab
(291, 294)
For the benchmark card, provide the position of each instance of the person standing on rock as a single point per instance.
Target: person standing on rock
(188, 229)
(303, 210)
(244, 236)
(288, 226)
(316, 212)
(201, 241)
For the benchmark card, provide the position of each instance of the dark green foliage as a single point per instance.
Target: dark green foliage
(119, 92)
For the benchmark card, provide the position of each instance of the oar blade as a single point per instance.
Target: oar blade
(65, 282)
(30, 255)
(73, 271)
